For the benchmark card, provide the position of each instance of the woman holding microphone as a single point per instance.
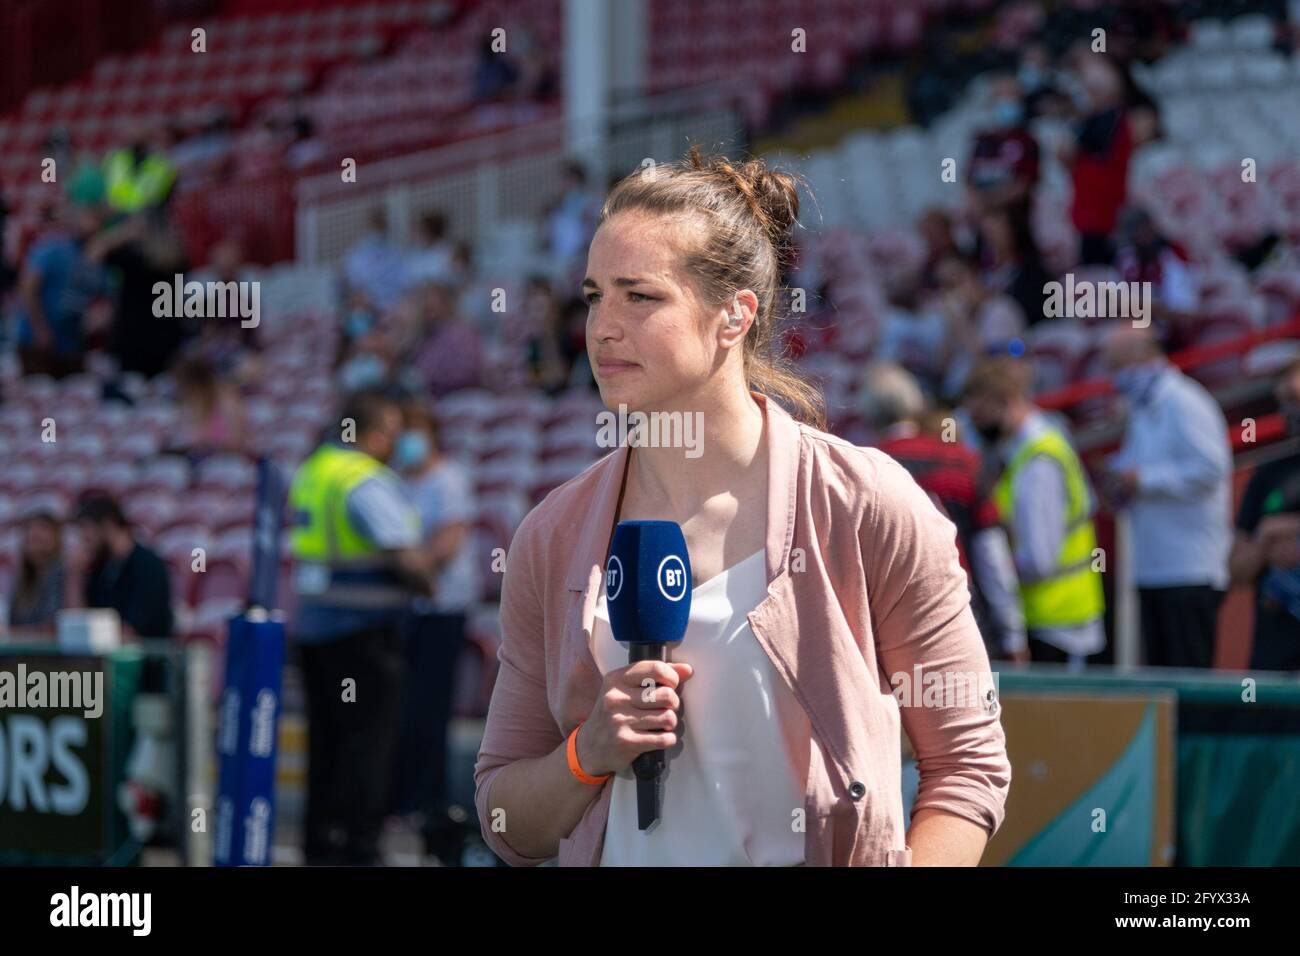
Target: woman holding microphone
(824, 583)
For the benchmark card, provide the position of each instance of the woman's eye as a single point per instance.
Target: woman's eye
(640, 297)
(592, 297)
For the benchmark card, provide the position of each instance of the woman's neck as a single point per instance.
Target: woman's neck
(731, 442)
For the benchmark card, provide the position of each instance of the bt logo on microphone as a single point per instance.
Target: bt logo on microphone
(671, 577)
(613, 578)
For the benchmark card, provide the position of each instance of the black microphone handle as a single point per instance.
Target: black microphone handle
(649, 766)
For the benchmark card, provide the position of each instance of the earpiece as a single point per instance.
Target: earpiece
(734, 318)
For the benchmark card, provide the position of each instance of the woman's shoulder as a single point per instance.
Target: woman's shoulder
(862, 476)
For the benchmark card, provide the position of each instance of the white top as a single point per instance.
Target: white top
(1041, 501)
(1177, 439)
(738, 772)
(445, 495)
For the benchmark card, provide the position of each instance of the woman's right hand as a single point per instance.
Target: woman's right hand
(631, 716)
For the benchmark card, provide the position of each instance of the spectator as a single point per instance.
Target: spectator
(983, 322)
(366, 363)
(42, 585)
(430, 261)
(1265, 551)
(1144, 255)
(538, 79)
(1004, 166)
(452, 355)
(1034, 76)
(894, 405)
(495, 73)
(473, 292)
(374, 267)
(546, 341)
(122, 573)
(573, 344)
(936, 228)
(572, 218)
(1173, 473)
(1044, 501)
(212, 412)
(1098, 158)
(56, 287)
(1010, 261)
(142, 251)
(443, 493)
(915, 334)
(226, 344)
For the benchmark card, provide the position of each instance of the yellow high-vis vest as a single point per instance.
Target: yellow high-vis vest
(1072, 593)
(334, 563)
(130, 188)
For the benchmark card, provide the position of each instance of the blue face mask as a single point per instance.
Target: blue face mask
(1136, 381)
(411, 450)
(359, 323)
(1030, 77)
(1008, 113)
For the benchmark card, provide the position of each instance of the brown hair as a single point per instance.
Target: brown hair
(1002, 377)
(748, 212)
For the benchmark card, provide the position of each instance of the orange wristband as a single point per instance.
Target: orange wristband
(571, 750)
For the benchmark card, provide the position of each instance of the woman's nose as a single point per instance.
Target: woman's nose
(603, 324)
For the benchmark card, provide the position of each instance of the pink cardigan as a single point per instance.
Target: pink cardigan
(863, 583)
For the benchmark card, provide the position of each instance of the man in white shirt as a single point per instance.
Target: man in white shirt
(1174, 474)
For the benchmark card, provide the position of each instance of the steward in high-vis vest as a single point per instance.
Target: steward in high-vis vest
(358, 562)
(137, 178)
(1044, 500)
(1071, 594)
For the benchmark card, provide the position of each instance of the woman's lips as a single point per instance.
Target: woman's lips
(613, 368)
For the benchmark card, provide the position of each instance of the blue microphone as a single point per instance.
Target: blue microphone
(648, 595)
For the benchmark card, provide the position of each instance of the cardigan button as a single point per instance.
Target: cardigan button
(857, 789)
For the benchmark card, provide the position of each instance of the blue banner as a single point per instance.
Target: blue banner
(268, 518)
(247, 733)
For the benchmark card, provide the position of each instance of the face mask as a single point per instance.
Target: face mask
(1030, 77)
(1136, 381)
(1008, 113)
(412, 449)
(359, 323)
(990, 434)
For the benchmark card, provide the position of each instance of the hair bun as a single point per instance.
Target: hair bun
(772, 195)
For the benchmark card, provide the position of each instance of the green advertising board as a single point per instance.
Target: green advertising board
(65, 733)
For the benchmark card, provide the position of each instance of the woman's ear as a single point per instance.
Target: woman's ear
(738, 316)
